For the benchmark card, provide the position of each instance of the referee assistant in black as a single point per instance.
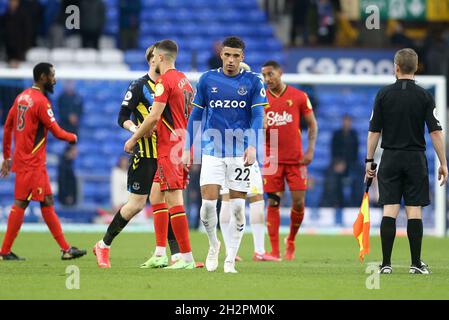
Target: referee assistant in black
(399, 114)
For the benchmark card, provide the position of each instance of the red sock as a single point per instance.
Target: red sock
(273, 222)
(160, 220)
(296, 218)
(180, 226)
(52, 221)
(15, 221)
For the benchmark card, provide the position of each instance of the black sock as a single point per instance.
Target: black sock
(415, 233)
(174, 247)
(116, 226)
(387, 235)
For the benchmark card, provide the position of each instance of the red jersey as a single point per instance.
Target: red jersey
(174, 89)
(283, 113)
(29, 119)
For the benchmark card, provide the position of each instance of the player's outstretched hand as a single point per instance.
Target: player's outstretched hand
(6, 167)
(442, 175)
(307, 158)
(250, 156)
(129, 145)
(186, 161)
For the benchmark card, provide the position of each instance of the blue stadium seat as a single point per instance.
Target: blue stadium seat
(134, 56)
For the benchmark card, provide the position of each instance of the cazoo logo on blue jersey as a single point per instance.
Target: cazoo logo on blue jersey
(227, 104)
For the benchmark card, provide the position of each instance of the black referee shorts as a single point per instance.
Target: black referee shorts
(141, 173)
(403, 174)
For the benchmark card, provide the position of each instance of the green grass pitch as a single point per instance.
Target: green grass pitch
(326, 267)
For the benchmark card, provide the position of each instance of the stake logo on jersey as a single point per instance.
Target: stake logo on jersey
(275, 119)
(283, 118)
(228, 103)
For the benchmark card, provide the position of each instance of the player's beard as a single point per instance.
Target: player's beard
(49, 87)
(157, 69)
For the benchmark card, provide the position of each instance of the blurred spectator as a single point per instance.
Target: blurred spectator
(93, 15)
(70, 107)
(436, 52)
(275, 8)
(17, 29)
(57, 29)
(35, 11)
(214, 61)
(326, 21)
(346, 34)
(67, 184)
(129, 23)
(345, 146)
(395, 31)
(50, 17)
(299, 12)
(345, 143)
(343, 185)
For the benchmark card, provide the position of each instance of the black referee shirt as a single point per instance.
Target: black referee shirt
(400, 111)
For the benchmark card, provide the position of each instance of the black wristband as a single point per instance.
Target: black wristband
(369, 160)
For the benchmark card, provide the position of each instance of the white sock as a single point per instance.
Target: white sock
(225, 216)
(160, 251)
(187, 257)
(256, 219)
(103, 245)
(236, 226)
(208, 214)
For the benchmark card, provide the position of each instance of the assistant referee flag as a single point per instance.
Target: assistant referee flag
(361, 226)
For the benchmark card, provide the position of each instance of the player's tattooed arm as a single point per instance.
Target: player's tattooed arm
(312, 132)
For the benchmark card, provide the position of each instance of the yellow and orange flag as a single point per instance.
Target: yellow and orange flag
(361, 227)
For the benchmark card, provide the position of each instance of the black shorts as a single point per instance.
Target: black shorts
(403, 174)
(141, 173)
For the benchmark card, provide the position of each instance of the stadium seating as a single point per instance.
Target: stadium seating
(204, 22)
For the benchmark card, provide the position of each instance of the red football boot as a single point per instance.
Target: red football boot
(102, 255)
(265, 257)
(289, 250)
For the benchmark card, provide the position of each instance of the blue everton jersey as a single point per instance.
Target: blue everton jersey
(229, 105)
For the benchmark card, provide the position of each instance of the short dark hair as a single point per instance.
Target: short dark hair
(234, 42)
(41, 68)
(150, 51)
(272, 63)
(168, 46)
(407, 60)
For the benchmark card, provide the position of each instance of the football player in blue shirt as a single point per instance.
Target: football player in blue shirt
(233, 101)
